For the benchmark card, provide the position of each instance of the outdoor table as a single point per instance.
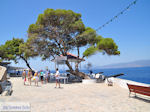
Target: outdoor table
(65, 79)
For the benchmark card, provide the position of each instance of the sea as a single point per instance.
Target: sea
(138, 74)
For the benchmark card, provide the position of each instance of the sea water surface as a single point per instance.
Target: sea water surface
(138, 74)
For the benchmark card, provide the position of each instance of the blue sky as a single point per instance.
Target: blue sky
(131, 31)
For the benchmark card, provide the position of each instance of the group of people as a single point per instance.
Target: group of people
(40, 76)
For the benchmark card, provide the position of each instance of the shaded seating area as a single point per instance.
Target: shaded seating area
(72, 59)
(65, 78)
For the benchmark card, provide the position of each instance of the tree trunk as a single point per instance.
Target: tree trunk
(77, 64)
(76, 72)
(82, 75)
(26, 62)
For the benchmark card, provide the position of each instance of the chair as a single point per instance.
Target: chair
(110, 83)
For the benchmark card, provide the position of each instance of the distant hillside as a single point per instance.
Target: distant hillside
(140, 63)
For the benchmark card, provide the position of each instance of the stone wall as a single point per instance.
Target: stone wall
(123, 83)
(3, 75)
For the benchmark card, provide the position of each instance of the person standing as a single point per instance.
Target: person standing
(29, 76)
(41, 75)
(47, 76)
(24, 76)
(57, 77)
(36, 78)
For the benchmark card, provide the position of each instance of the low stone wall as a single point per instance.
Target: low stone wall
(3, 76)
(89, 81)
(123, 83)
(3, 73)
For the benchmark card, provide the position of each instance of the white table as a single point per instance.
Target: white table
(65, 79)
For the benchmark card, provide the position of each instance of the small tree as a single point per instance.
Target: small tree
(2, 53)
(57, 32)
(17, 49)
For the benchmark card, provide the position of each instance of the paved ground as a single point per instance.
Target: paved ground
(76, 98)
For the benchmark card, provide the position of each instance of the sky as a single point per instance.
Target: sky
(130, 31)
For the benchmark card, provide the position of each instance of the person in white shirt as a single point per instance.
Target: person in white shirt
(57, 76)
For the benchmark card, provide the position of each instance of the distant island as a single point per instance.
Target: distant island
(139, 63)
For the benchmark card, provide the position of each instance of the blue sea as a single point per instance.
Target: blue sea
(139, 74)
